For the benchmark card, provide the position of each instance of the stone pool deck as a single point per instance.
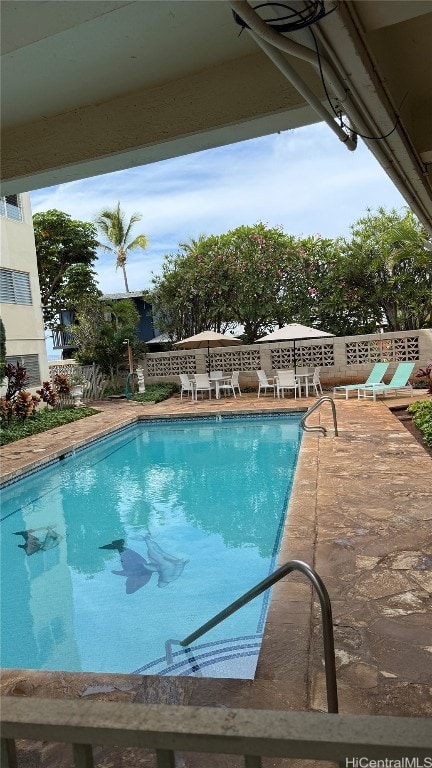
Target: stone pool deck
(360, 514)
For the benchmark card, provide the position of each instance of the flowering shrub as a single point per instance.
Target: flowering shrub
(47, 394)
(422, 418)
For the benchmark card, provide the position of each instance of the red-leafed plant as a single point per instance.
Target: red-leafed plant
(47, 394)
(25, 404)
(62, 384)
(6, 411)
(426, 373)
(17, 379)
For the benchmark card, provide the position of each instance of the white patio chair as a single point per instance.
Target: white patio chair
(265, 383)
(213, 375)
(186, 385)
(231, 384)
(203, 384)
(287, 380)
(316, 382)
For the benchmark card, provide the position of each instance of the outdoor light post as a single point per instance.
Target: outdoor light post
(130, 356)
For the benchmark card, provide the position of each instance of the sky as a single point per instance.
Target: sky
(304, 180)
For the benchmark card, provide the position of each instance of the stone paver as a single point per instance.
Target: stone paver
(360, 513)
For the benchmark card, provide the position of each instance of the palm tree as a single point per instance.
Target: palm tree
(112, 224)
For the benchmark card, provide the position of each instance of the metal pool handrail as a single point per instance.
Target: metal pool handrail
(313, 408)
(326, 617)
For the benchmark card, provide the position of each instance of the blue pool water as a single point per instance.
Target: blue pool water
(144, 536)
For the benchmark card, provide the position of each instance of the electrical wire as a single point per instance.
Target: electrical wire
(292, 21)
(304, 19)
(339, 114)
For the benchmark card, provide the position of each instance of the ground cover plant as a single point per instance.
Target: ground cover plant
(155, 393)
(422, 418)
(41, 421)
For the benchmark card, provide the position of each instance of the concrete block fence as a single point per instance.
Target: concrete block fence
(342, 360)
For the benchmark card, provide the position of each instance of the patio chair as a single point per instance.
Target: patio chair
(316, 382)
(203, 384)
(375, 377)
(400, 382)
(186, 385)
(232, 384)
(213, 375)
(287, 380)
(265, 383)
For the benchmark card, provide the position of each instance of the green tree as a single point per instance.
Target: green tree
(336, 303)
(114, 227)
(251, 276)
(100, 332)
(387, 262)
(61, 244)
(192, 293)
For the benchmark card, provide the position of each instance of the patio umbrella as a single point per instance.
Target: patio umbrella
(294, 332)
(207, 339)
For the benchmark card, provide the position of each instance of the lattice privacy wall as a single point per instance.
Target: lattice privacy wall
(243, 360)
(94, 386)
(386, 350)
(306, 357)
(170, 365)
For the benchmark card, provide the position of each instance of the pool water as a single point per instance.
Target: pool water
(142, 537)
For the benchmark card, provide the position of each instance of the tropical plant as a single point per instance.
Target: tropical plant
(391, 269)
(17, 379)
(24, 405)
(62, 243)
(426, 373)
(47, 394)
(100, 334)
(113, 226)
(422, 418)
(62, 384)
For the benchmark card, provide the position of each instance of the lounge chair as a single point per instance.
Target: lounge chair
(375, 377)
(400, 382)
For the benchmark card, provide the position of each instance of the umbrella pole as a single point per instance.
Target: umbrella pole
(208, 358)
(295, 365)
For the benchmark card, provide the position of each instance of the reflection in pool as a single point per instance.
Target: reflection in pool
(194, 506)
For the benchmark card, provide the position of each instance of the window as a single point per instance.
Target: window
(10, 206)
(15, 287)
(31, 364)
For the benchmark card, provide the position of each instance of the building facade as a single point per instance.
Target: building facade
(20, 299)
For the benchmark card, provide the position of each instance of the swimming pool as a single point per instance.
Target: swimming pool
(141, 537)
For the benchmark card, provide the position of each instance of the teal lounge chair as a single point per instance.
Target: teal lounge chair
(375, 377)
(399, 382)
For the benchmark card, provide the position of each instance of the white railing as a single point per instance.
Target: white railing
(253, 734)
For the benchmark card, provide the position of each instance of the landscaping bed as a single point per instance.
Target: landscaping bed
(41, 421)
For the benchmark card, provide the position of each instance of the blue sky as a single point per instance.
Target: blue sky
(304, 180)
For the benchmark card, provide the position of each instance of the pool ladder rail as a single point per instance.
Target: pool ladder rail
(326, 618)
(319, 428)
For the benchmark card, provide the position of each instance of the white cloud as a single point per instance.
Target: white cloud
(304, 180)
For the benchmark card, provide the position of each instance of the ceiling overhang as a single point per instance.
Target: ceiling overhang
(90, 87)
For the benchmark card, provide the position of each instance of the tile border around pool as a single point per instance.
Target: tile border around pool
(283, 661)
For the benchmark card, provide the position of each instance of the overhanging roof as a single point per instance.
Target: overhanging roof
(90, 87)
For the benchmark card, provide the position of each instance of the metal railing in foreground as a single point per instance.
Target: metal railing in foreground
(313, 408)
(262, 586)
(167, 730)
